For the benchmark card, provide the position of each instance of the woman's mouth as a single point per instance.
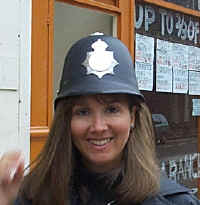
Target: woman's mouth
(100, 142)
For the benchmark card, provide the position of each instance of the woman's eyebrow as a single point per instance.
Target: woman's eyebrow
(114, 100)
(80, 103)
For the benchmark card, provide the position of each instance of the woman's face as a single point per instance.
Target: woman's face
(100, 129)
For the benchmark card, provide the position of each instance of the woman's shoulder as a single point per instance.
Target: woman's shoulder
(172, 193)
(179, 199)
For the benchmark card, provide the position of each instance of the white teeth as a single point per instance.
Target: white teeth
(100, 142)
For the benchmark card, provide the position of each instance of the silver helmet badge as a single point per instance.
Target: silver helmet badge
(100, 62)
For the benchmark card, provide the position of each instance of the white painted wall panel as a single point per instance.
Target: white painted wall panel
(9, 21)
(9, 44)
(9, 119)
(9, 74)
(15, 69)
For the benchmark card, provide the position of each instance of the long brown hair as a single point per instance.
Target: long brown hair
(142, 173)
(50, 180)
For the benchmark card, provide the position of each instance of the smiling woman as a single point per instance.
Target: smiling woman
(100, 148)
(99, 137)
(100, 129)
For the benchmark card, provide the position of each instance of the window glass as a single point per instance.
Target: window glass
(167, 58)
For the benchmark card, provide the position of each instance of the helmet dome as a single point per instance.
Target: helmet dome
(98, 64)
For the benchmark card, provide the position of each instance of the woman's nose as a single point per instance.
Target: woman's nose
(99, 123)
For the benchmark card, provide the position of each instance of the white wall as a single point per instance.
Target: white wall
(15, 69)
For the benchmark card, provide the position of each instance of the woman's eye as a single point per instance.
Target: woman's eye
(112, 109)
(81, 112)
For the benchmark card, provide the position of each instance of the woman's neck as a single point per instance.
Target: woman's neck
(100, 168)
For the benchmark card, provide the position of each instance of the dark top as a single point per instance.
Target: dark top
(170, 193)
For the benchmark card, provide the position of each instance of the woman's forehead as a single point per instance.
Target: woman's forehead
(103, 98)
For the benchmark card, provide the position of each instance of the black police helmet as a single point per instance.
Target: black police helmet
(98, 64)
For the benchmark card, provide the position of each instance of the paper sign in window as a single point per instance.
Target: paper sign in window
(163, 66)
(144, 62)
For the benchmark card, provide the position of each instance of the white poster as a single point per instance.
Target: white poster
(180, 68)
(194, 58)
(194, 83)
(144, 55)
(163, 66)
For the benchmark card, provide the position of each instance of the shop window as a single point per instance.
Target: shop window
(167, 59)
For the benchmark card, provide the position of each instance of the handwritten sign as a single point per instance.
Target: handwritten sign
(180, 68)
(194, 83)
(163, 66)
(144, 62)
(194, 58)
